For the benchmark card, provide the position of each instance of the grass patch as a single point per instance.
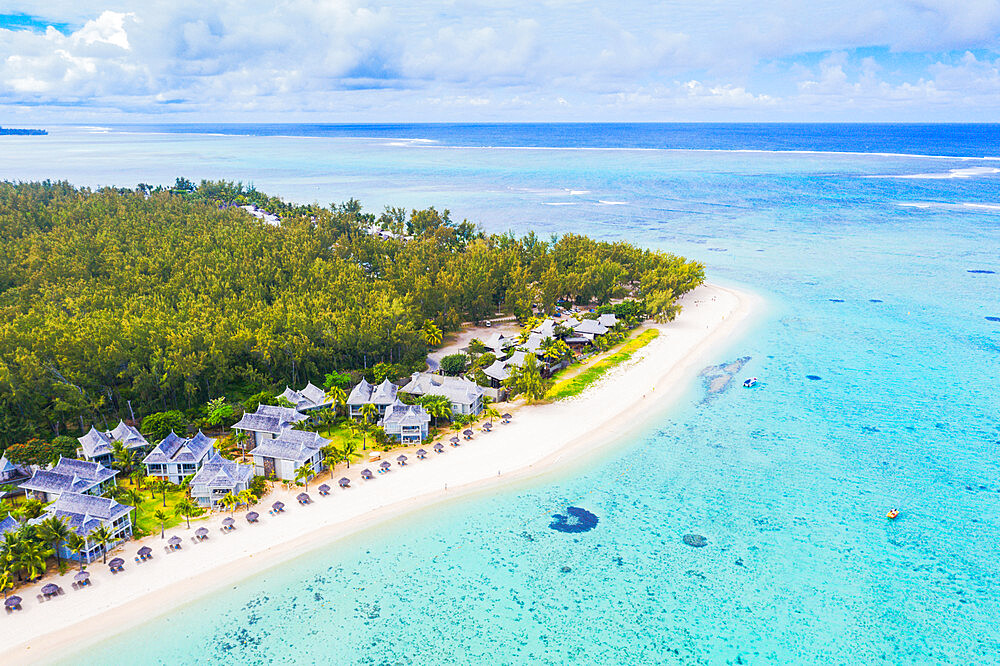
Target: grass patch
(572, 386)
(144, 522)
(340, 434)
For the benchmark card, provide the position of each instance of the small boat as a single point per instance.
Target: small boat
(892, 514)
(750, 382)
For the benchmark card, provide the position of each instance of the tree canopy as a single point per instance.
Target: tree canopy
(169, 297)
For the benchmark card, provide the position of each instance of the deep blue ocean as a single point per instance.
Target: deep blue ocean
(877, 248)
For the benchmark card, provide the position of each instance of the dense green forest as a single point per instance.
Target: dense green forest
(168, 297)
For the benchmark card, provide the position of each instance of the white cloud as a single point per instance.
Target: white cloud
(558, 58)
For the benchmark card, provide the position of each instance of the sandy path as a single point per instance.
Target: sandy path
(539, 438)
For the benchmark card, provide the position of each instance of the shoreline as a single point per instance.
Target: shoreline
(540, 439)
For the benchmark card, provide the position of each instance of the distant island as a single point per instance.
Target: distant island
(10, 131)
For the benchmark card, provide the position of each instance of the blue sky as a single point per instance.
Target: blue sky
(472, 60)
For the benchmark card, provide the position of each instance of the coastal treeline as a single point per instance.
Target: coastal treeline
(167, 297)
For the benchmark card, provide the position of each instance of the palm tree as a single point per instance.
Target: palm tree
(102, 537)
(241, 437)
(8, 550)
(161, 517)
(338, 396)
(5, 582)
(431, 334)
(345, 452)
(162, 483)
(31, 558)
(331, 456)
(131, 496)
(125, 458)
(138, 478)
(438, 408)
(368, 412)
(54, 531)
(229, 501)
(491, 412)
(187, 508)
(77, 544)
(304, 473)
(246, 497)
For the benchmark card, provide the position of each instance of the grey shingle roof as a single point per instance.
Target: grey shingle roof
(384, 393)
(96, 443)
(609, 320)
(84, 513)
(398, 414)
(458, 390)
(590, 327)
(177, 449)
(8, 524)
(269, 418)
(497, 370)
(297, 445)
(546, 329)
(217, 472)
(69, 476)
(311, 397)
(360, 394)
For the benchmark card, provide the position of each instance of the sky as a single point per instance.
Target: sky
(495, 61)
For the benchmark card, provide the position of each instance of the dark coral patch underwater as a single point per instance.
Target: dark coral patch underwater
(578, 520)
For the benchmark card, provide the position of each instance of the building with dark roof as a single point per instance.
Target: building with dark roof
(407, 423)
(308, 399)
(178, 457)
(217, 478)
(70, 476)
(98, 446)
(268, 422)
(280, 457)
(465, 397)
(85, 513)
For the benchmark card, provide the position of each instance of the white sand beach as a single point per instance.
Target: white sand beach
(539, 439)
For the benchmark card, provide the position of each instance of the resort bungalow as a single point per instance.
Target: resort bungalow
(217, 478)
(178, 457)
(465, 397)
(499, 343)
(98, 446)
(70, 476)
(11, 476)
(407, 423)
(608, 320)
(589, 328)
(364, 393)
(9, 524)
(282, 456)
(308, 399)
(268, 422)
(85, 513)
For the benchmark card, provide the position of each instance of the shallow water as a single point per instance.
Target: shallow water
(878, 363)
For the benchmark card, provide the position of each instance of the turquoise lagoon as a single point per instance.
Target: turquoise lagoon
(880, 388)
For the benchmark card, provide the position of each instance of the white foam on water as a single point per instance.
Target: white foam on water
(602, 202)
(967, 172)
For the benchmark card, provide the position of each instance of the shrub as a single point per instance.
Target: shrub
(454, 364)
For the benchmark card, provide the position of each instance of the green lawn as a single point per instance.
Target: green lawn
(572, 386)
(340, 434)
(144, 522)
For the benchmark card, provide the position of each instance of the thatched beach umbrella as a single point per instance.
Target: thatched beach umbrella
(175, 541)
(505, 418)
(252, 517)
(145, 551)
(421, 453)
(201, 532)
(439, 447)
(324, 489)
(367, 474)
(454, 440)
(468, 434)
(115, 563)
(278, 507)
(228, 521)
(12, 602)
(344, 482)
(303, 498)
(385, 465)
(50, 589)
(81, 576)
(487, 425)
(401, 459)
